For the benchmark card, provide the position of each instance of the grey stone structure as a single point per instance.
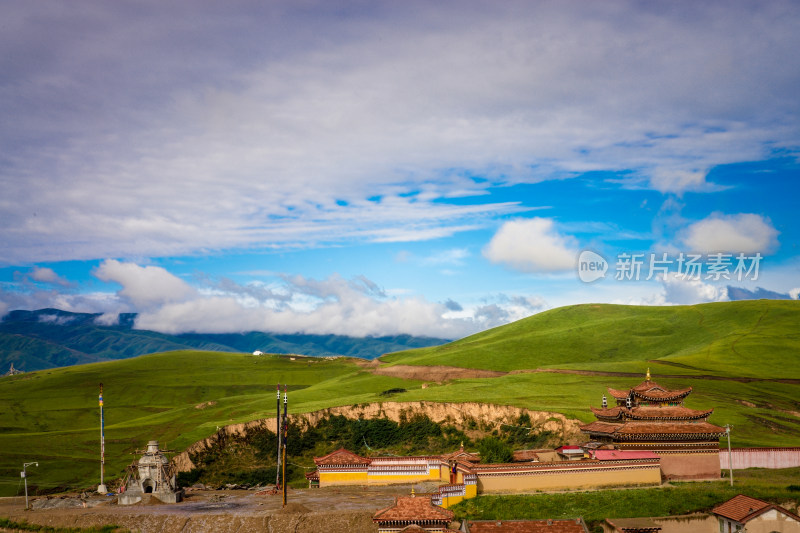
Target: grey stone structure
(151, 474)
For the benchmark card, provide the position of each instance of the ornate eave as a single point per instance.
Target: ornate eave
(609, 413)
(620, 413)
(341, 458)
(660, 395)
(668, 431)
(618, 394)
(666, 413)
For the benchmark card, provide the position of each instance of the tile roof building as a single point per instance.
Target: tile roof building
(461, 476)
(343, 467)
(652, 417)
(413, 511)
(755, 515)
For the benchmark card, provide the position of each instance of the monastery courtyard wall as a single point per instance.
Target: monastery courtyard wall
(570, 476)
(690, 465)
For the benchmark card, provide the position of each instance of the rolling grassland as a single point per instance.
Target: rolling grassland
(740, 357)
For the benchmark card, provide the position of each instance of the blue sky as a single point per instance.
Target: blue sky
(373, 168)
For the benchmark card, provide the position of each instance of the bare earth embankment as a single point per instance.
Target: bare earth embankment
(458, 414)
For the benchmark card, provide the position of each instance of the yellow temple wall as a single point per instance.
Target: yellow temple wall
(369, 478)
(470, 491)
(377, 479)
(342, 478)
(569, 479)
(450, 501)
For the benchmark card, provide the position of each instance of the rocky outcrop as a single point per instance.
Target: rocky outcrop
(461, 415)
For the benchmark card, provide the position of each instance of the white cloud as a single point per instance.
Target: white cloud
(678, 181)
(532, 245)
(280, 137)
(672, 289)
(454, 256)
(795, 293)
(47, 275)
(107, 319)
(746, 233)
(332, 306)
(357, 306)
(680, 291)
(145, 287)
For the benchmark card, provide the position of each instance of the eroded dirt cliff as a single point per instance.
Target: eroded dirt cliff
(462, 415)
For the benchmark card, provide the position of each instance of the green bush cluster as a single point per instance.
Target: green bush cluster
(252, 460)
(412, 434)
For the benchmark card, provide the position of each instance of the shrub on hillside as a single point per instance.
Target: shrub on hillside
(493, 450)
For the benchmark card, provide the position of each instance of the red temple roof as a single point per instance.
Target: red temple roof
(649, 384)
(342, 457)
(634, 428)
(413, 509)
(662, 395)
(618, 394)
(613, 413)
(667, 413)
(646, 421)
(650, 390)
(608, 428)
(651, 413)
(461, 455)
(646, 428)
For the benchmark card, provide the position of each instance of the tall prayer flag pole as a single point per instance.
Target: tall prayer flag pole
(101, 488)
(285, 437)
(278, 435)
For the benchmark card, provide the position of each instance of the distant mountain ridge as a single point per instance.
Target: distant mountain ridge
(48, 338)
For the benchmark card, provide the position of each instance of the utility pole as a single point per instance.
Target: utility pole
(285, 438)
(25, 477)
(730, 457)
(278, 435)
(101, 488)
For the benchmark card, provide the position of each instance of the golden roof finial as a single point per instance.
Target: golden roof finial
(412, 492)
(648, 374)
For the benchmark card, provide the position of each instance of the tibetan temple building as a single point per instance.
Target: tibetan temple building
(460, 475)
(651, 417)
(410, 511)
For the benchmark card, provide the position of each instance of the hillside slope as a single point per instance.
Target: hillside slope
(49, 338)
(758, 338)
(730, 353)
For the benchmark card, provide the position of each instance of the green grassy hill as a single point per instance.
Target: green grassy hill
(730, 353)
(759, 338)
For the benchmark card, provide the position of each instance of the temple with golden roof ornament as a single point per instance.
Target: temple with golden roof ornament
(651, 417)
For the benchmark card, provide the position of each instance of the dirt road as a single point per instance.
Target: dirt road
(333, 509)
